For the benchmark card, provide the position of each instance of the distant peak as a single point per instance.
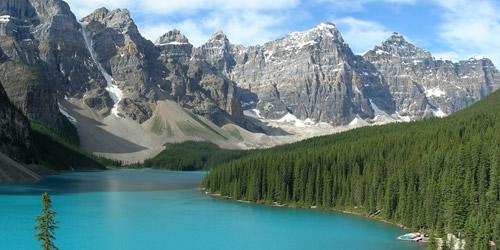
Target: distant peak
(476, 58)
(172, 37)
(326, 25)
(218, 35)
(396, 37)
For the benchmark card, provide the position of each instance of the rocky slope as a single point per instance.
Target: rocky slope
(14, 129)
(422, 86)
(30, 91)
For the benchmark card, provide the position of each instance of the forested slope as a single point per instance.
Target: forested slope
(437, 174)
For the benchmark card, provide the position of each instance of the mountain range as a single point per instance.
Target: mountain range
(128, 96)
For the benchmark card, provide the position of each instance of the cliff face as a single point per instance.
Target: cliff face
(315, 76)
(14, 129)
(422, 86)
(312, 74)
(146, 73)
(46, 35)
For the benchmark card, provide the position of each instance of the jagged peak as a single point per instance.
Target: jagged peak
(326, 26)
(476, 58)
(396, 38)
(104, 13)
(324, 29)
(174, 37)
(218, 36)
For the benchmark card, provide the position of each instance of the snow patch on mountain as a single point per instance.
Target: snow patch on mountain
(63, 111)
(254, 113)
(114, 92)
(437, 92)
(438, 113)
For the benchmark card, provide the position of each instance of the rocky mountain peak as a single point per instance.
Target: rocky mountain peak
(172, 37)
(118, 19)
(218, 36)
(397, 46)
(326, 27)
(396, 38)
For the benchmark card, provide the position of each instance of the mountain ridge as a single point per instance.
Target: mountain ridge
(108, 79)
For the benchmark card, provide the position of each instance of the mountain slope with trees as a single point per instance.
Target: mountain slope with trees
(438, 174)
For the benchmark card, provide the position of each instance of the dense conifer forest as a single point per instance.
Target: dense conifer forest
(440, 175)
(59, 149)
(190, 156)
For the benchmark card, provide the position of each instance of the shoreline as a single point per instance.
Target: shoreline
(275, 204)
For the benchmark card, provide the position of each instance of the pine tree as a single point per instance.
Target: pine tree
(46, 224)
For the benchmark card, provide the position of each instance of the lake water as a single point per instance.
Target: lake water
(147, 209)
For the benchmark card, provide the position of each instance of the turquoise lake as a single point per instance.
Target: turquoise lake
(147, 209)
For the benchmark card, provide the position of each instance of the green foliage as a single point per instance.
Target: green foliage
(191, 156)
(159, 126)
(67, 133)
(59, 153)
(441, 175)
(197, 119)
(46, 224)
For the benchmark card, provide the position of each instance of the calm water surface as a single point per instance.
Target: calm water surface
(147, 209)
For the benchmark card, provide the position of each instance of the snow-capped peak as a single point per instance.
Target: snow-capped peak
(476, 58)
(325, 26)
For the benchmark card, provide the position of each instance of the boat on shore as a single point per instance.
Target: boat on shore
(420, 237)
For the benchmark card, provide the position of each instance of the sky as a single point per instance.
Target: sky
(449, 29)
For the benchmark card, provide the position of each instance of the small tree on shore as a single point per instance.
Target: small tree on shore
(46, 224)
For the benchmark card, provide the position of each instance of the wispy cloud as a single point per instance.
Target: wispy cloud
(244, 22)
(361, 35)
(357, 5)
(475, 31)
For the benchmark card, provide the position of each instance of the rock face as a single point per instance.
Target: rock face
(422, 86)
(194, 83)
(14, 129)
(29, 90)
(312, 74)
(146, 73)
(46, 35)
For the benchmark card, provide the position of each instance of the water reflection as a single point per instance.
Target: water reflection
(107, 181)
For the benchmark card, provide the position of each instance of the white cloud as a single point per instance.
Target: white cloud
(357, 5)
(85, 7)
(361, 35)
(174, 6)
(182, 7)
(471, 27)
(245, 22)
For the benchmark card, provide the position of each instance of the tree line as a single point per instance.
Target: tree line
(191, 156)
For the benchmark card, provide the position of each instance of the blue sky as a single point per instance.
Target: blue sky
(451, 29)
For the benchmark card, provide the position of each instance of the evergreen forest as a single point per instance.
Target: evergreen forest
(440, 174)
(191, 156)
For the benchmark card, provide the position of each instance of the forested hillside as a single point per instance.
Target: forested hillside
(438, 174)
(190, 156)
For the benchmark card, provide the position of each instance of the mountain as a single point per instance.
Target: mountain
(312, 75)
(437, 175)
(15, 132)
(422, 86)
(128, 96)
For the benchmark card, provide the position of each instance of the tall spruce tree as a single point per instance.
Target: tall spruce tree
(46, 224)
